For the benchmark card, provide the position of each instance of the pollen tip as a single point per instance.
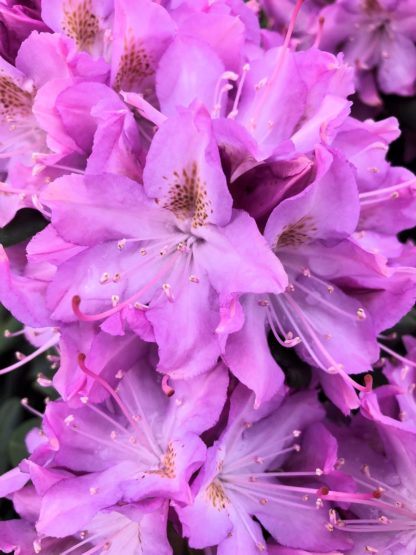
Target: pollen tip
(377, 493)
(81, 359)
(324, 490)
(76, 301)
(368, 381)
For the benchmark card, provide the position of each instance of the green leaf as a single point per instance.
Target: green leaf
(17, 447)
(10, 416)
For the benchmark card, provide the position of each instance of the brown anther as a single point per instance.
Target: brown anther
(166, 388)
(361, 315)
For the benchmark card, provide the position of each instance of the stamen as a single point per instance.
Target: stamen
(292, 22)
(395, 355)
(25, 403)
(318, 38)
(107, 387)
(117, 306)
(234, 112)
(24, 359)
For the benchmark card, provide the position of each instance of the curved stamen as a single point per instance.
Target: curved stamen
(76, 299)
(107, 387)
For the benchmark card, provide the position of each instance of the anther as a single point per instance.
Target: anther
(121, 244)
(296, 433)
(361, 315)
(54, 443)
(263, 501)
(166, 388)
(116, 277)
(140, 306)
(262, 83)
(69, 419)
(365, 469)
(120, 374)
(43, 381)
(167, 289)
(193, 279)
(93, 491)
(115, 299)
(143, 252)
(339, 463)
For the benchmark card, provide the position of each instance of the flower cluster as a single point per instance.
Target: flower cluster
(207, 196)
(377, 38)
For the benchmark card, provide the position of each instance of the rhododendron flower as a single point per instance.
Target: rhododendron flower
(177, 258)
(240, 480)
